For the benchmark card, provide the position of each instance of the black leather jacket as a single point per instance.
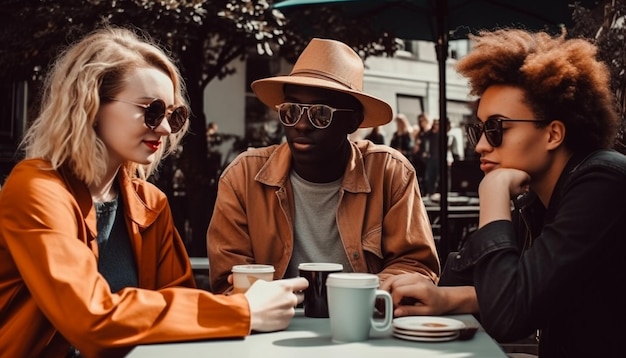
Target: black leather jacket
(560, 270)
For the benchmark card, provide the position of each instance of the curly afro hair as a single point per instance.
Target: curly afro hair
(561, 78)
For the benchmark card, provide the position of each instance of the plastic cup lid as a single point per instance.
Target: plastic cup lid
(352, 279)
(255, 268)
(320, 266)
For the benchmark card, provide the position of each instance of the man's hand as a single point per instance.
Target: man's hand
(413, 295)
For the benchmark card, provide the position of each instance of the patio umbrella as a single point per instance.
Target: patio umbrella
(439, 21)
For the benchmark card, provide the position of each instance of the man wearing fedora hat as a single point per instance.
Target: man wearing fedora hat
(321, 197)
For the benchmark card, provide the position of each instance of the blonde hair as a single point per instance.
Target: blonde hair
(402, 124)
(84, 75)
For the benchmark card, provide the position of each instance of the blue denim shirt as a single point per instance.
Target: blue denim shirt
(557, 269)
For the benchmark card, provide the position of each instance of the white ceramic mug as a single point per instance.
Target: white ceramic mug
(351, 299)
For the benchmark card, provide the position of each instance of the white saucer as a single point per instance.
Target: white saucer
(428, 324)
(426, 339)
(407, 332)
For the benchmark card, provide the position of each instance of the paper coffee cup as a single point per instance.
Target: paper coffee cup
(245, 275)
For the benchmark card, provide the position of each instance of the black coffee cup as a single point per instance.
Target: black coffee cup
(315, 299)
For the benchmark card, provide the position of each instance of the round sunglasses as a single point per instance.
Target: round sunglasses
(155, 111)
(492, 128)
(320, 115)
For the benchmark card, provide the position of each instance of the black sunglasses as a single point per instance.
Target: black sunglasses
(156, 110)
(320, 115)
(492, 128)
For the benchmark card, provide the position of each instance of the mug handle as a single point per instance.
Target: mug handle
(385, 324)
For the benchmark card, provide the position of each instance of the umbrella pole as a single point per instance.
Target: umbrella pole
(441, 48)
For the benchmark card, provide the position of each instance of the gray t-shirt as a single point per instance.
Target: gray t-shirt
(316, 237)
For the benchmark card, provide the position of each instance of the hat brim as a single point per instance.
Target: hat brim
(376, 112)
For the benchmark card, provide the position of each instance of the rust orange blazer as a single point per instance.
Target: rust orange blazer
(51, 294)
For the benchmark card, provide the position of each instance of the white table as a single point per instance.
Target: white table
(310, 338)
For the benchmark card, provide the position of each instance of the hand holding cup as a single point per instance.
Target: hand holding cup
(245, 275)
(272, 303)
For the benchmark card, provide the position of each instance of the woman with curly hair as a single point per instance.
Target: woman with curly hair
(545, 128)
(90, 261)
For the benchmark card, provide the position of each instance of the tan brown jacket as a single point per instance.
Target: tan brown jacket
(381, 218)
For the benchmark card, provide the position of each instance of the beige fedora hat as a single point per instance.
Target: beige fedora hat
(331, 65)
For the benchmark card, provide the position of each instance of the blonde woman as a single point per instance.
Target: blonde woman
(402, 138)
(90, 261)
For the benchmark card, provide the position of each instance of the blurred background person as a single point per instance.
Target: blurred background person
(376, 135)
(402, 138)
(213, 136)
(214, 141)
(453, 154)
(420, 131)
(431, 158)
